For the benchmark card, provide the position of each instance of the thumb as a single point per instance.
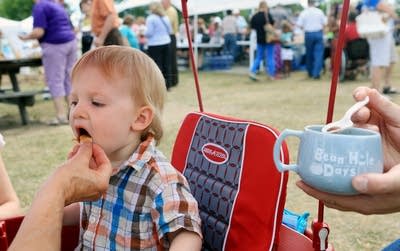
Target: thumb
(101, 160)
(376, 183)
(84, 150)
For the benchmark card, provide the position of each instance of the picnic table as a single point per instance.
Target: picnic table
(15, 96)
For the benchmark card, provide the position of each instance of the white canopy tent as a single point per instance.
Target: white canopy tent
(199, 7)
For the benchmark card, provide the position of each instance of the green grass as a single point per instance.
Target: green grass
(33, 151)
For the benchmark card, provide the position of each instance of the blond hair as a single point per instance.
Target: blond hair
(145, 78)
(157, 8)
(262, 6)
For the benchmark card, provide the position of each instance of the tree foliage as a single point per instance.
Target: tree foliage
(15, 9)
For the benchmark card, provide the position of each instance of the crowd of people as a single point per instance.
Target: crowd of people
(320, 40)
(284, 40)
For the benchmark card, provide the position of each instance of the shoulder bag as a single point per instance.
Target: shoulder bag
(370, 25)
(271, 35)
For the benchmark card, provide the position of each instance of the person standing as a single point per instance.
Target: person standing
(53, 29)
(312, 20)
(84, 25)
(230, 31)
(172, 14)
(105, 23)
(158, 39)
(258, 23)
(382, 50)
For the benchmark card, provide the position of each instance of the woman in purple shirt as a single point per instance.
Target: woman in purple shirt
(53, 29)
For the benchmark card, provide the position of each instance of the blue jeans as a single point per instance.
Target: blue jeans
(314, 53)
(264, 52)
(230, 44)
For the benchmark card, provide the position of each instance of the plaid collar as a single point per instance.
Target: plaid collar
(142, 155)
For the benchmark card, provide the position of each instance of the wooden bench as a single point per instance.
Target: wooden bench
(22, 99)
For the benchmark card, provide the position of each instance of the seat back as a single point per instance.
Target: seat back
(358, 49)
(230, 169)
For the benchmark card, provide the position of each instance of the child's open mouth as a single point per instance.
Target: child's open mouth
(84, 136)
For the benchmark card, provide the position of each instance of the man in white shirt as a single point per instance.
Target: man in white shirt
(312, 20)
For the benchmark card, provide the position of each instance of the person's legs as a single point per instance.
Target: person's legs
(376, 76)
(230, 44)
(380, 60)
(86, 42)
(286, 67)
(387, 88)
(318, 56)
(54, 61)
(173, 61)
(155, 53)
(160, 54)
(309, 44)
(260, 51)
(166, 67)
(278, 58)
(71, 59)
(270, 61)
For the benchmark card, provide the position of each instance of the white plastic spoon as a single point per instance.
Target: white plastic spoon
(345, 122)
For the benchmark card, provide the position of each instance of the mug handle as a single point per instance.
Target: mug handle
(277, 150)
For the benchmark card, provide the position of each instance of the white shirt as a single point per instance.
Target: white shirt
(158, 30)
(312, 19)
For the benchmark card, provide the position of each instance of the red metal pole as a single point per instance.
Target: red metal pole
(192, 60)
(319, 228)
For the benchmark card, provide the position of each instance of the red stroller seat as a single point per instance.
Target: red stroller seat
(9, 228)
(229, 166)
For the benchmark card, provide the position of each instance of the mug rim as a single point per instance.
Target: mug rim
(316, 128)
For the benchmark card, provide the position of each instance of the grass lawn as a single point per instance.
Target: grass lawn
(33, 151)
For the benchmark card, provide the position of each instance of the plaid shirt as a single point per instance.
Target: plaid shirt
(146, 199)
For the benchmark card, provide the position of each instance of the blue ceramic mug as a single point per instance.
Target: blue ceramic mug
(329, 161)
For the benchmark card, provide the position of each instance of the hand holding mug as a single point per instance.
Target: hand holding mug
(380, 193)
(329, 161)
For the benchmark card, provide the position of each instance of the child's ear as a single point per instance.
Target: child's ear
(143, 118)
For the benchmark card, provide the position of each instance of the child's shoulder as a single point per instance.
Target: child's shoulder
(163, 171)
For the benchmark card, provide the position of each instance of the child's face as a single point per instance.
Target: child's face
(105, 110)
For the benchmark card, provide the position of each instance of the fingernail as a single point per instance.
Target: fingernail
(357, 95)
(361, 184)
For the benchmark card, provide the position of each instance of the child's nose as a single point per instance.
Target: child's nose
(78, 111)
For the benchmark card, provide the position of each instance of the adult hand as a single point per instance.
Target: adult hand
(85, 175)
(23, 37)
(383, 116)
(380, 193)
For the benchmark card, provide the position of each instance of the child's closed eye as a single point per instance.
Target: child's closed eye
(97, 103)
